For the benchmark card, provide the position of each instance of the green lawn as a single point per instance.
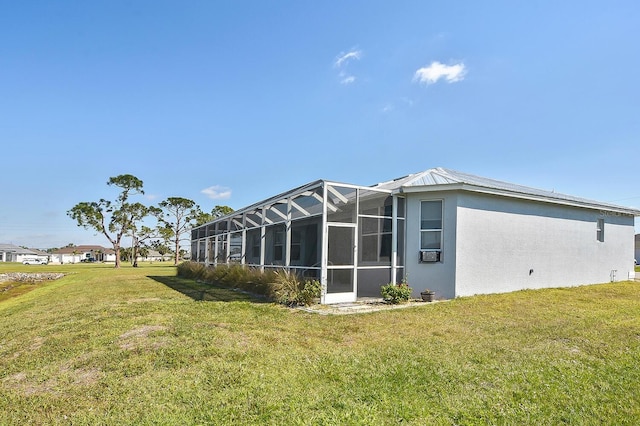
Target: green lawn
(141, 346)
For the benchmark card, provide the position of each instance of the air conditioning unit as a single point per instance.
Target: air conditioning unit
(429, 256)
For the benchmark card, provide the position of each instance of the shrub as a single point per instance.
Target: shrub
(238, 276)
(310, 290)
(289, 290)
(396, 293)
(258, 281)
(285, 287)
(191, 270)
(281, 286)
(234, 276)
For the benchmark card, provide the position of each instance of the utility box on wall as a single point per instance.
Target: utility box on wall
(429, 256)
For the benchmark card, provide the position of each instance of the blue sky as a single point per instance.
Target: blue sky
(230, 102)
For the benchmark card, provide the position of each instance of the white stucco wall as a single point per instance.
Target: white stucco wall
(507, 244)
(438, 276)
(494, 244)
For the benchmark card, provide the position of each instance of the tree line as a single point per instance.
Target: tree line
(121, 217)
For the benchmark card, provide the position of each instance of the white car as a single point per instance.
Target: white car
(34, 261)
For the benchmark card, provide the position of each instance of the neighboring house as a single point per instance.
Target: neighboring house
(155, 256)
(637, 251)
(454, 233)
(83, 253)
(11, 253)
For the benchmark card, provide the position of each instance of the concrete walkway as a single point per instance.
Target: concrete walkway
(360, 307)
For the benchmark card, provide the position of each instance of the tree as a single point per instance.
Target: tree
(143, 251)
(113, 219)
(179, 215)
(125, 253)
(160, 247)
(216, 212)
(219, 211)
(141, 236)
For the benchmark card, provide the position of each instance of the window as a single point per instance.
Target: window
(600, 230)
(375, 213)
(304, 242)
(274, 245)
(296, 240)
(375, 240)
(253, 246)
(235, 247)
(431, 225)
(278, 246)
(222, 249)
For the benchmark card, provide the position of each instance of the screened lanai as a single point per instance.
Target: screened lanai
(350, 238)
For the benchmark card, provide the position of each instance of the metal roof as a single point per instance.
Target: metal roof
(10, 248)
(446, 179)
(83, 249)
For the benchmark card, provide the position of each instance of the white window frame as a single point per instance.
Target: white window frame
(441, 229)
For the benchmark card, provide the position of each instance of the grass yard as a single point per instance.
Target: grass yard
(142, 346)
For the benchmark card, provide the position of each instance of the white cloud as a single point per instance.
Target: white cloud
(346, 78)
(341, 62)
(344, 57)
(436, 71)
(217, 192)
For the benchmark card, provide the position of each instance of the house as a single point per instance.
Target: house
(454, 233)
(83, 253)
(155, 256)
(12, 253)
(637, 250)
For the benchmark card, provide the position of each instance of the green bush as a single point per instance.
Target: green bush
(311, 290)
(396, 293)
(289, 290)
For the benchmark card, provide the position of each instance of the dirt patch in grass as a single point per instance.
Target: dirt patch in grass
(84, 376)
(140, 338)
(37, 344)
(144, 300)
(34, 346)
(34, 385)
